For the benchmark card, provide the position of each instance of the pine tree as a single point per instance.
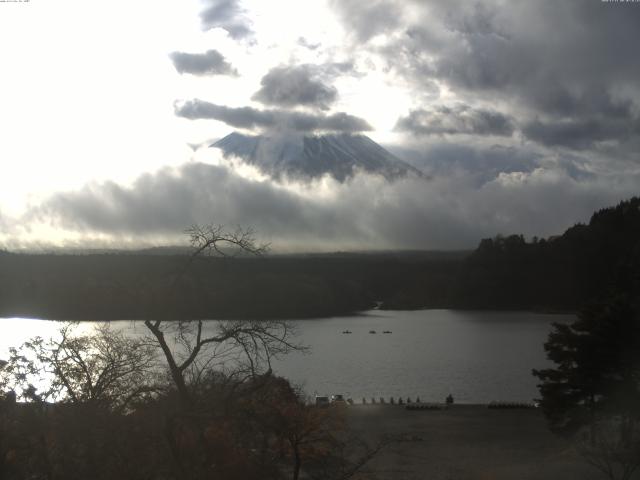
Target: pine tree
(597, 369)
(593, 393)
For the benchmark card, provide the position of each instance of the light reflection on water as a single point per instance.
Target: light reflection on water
(476, 356)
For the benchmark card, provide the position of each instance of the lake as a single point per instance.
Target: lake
(476, 356)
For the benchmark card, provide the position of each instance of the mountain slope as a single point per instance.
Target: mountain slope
(306, 157)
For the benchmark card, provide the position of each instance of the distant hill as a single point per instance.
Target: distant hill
(311, 156)
(108, 286)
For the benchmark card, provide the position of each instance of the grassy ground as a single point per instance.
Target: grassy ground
(466, 442)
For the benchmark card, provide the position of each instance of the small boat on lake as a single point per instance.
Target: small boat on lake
(387, 331)
(347, 331)
(372, 331)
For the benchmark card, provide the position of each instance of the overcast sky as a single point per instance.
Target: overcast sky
(525, 117)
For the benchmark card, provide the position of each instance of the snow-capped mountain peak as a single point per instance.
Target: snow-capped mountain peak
(311, 156)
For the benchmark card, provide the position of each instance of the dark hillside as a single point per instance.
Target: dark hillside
(558, 273)
(144, 286)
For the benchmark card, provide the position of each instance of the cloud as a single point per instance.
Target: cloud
(242, 117)
(578, 134)
(166, 202)
(366, 19)
(460, 119)
(522, 46)
(228, 15)
(3, 223)
(562, 101)
(211, 62)
(581, 119)
(303, 42)
(449, 211)
(480, 164)
(290, 86)
(251, 118)
(563, 70)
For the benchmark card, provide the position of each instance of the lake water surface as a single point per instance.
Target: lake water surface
(476, 356)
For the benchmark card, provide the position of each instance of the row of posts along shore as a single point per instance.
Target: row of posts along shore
(419, 405)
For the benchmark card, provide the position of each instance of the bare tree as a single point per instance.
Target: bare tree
(104, 367)
(192, 347)
(214, 239)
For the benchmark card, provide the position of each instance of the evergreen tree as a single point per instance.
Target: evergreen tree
(593, 394)
(597, 369)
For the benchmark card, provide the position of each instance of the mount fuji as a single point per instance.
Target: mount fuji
(305, 157)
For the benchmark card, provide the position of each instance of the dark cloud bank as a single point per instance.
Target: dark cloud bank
(452, 210)
(459, 119)
(290, 86)
(211, 62)
(567, 70)
(228, 15)
(252, 118)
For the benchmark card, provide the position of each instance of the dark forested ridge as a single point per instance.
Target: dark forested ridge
(506, 272)
(146, 286)
(563, 272)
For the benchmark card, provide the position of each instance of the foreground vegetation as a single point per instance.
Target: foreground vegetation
(115, 417)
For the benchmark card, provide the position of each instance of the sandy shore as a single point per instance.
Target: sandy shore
(467, 442)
